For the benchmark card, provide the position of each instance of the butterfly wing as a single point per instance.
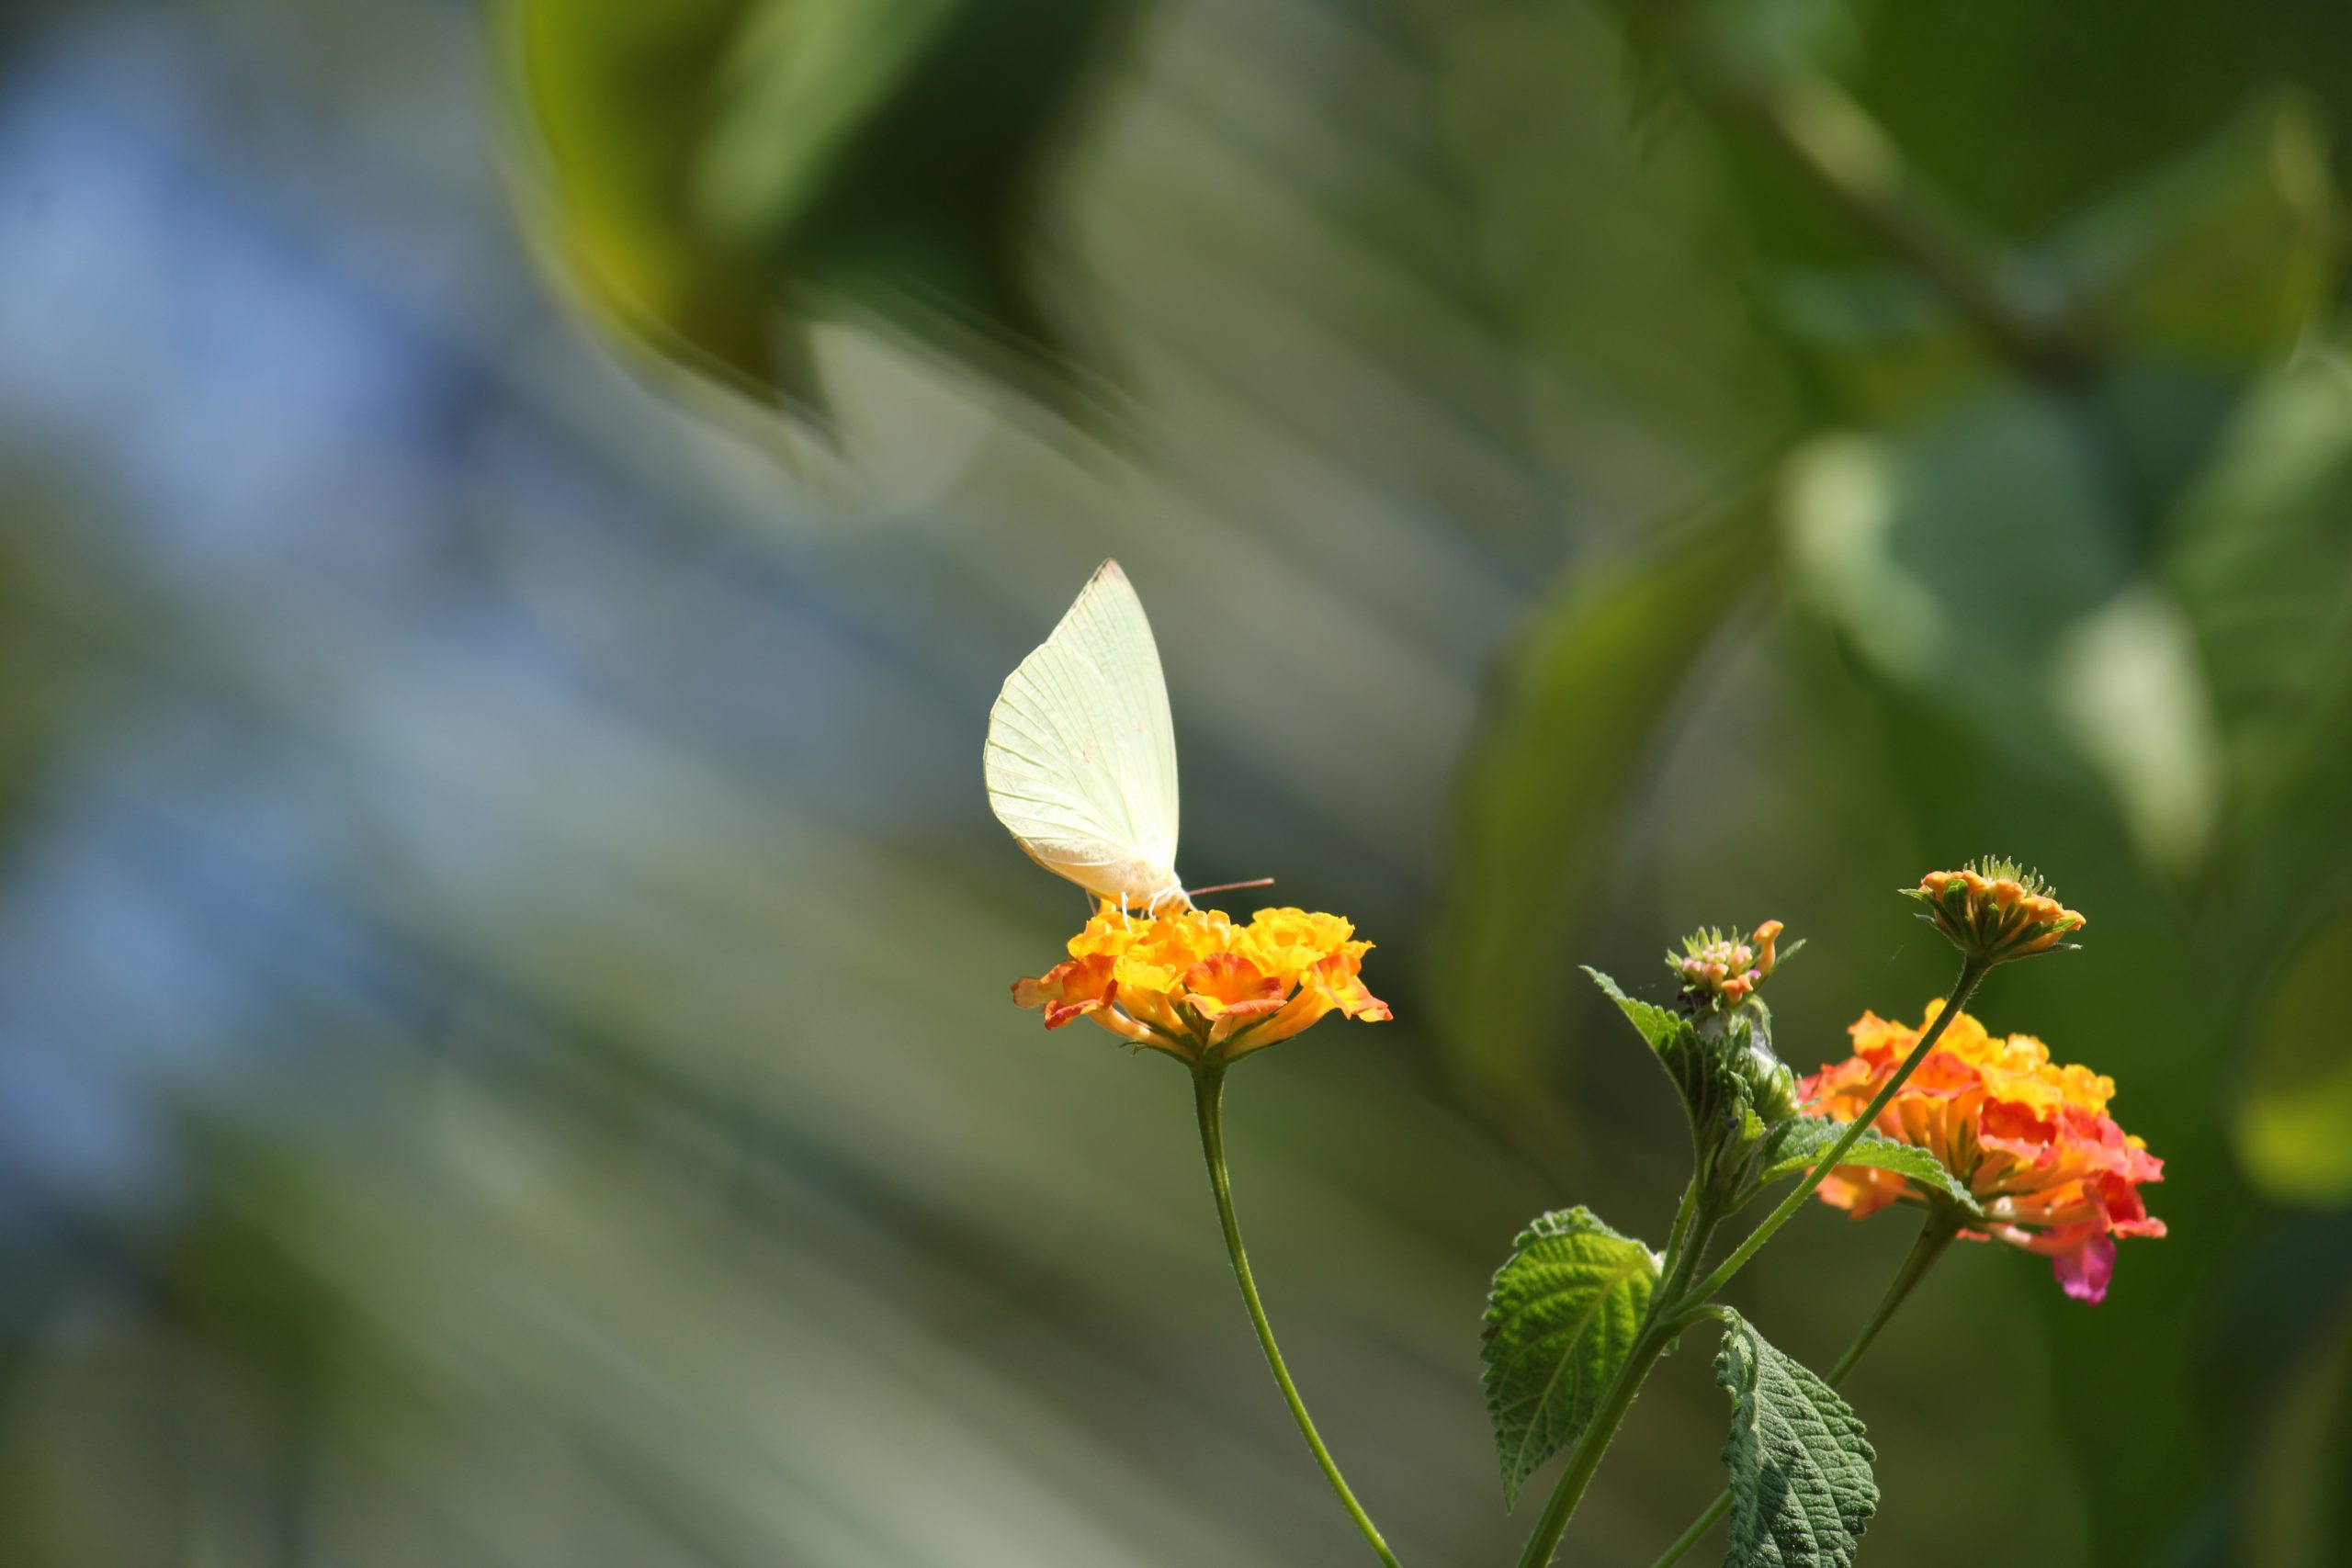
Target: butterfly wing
(1081, 753)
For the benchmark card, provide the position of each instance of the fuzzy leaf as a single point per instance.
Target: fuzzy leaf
(1560, 1320)
(1798, 1145)
(1802, 1491)
(1708, 1063)
(1657, 1026)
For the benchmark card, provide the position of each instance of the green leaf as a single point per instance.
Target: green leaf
(713, 177)
(1724, 1067)
(1583, 701)
(2221, 258)
(1561, 1319)
(1709, 1093)
(2297, 1094)
(2218, 262)
(1661, 1027)
(1797, 1145)
(1550, 114)
(1801, 1491)
(612, 104)
(1908, 543)
(2257, 557)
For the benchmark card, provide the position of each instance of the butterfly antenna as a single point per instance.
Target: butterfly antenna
(1231, 886)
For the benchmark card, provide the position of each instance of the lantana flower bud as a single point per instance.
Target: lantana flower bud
(1713, 967)
(1995, 910)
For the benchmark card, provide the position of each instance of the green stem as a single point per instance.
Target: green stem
(1208, 1087)
(1672, 1309)
(1706, 1290)
(1585, 1457)
(1694, 1222)
(1682, 1216)
(1937, 1234)
(1835, 143)
(1934, 1236)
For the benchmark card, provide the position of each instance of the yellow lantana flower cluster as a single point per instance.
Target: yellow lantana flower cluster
(1197, 985)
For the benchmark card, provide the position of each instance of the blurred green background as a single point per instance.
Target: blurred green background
(504, 1048)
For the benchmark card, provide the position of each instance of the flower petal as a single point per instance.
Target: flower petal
(2084, 1270)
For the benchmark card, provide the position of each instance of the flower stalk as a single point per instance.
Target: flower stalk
(1208, 1092)
(1672, 1307)
(1584, 1459)
(2017, 1148)
(1972, 972)
(1694, 1223)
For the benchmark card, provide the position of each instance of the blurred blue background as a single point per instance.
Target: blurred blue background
(503, 1047)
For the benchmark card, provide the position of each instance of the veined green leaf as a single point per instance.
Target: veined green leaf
(1798, 1145)
(1660, 1026)
(1801, 1491)
(1561, 1319)
(1720, 1073)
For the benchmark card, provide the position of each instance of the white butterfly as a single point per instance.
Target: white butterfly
(1081, 753)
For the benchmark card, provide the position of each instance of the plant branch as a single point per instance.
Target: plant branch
(1208, 1089)
(1694, 1223)
(1584, 1458)
(1837, 144)
(1971, 973)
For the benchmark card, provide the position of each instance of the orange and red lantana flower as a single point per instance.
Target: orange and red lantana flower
(2030, 1140)
(1195, 985)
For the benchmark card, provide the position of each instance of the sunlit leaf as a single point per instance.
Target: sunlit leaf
(2216, 261)
(1909, 543)
(616, 105)
(1715, 1072)
(2291, 1125)
(1561, 1319)
(2260, 559)
(1796, 1145)
(713, 177)
(2220, 258)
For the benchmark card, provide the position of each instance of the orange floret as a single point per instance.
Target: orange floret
(1193, 984)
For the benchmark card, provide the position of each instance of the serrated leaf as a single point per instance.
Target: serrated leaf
(1798, 1145)
(1561, 1319)
(1659, 1026)
(1707, 1066)
(1801, 1491)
